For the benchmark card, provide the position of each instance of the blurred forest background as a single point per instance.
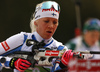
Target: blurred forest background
(15, 17)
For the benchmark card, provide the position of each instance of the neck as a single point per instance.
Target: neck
(39, 38)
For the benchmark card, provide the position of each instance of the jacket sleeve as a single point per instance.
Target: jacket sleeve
(10, 45)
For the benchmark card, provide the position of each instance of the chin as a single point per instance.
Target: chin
(91, 44)
(48, 37)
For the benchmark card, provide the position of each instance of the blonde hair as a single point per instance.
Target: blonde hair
(32, 26)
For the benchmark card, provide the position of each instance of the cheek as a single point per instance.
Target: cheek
(95, 38)
(88, 37)
(42, 28)
(39, 28)
(55, 27)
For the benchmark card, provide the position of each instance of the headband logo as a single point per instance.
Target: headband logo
(37, 16)
(53, 14)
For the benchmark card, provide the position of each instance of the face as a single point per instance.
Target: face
(91, 37)
(46, 27)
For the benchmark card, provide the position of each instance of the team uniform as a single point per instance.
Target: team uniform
(18, 43)
(78, 44)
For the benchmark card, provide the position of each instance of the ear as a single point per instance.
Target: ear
(35, 23)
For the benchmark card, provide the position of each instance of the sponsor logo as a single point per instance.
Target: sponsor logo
(51, 9)
(5, 46)
(51, 53)
(89, 65)
(37, 16)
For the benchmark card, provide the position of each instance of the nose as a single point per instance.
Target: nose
(50, 25)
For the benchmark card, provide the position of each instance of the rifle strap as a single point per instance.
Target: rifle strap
(45, 69)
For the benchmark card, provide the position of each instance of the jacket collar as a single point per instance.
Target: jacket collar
(37, 37)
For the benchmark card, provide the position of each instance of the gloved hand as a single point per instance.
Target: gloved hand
(19, 63)
(67, 55)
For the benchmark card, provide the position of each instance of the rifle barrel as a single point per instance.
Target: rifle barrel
(94, 52)
(88, 52)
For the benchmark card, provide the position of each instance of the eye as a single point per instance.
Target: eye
(54, 22)
(46, 21)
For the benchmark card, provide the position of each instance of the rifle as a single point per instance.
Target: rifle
(43, 56)
(40, 55)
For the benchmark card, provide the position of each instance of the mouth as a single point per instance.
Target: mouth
(49, 31)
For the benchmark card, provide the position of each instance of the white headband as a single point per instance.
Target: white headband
(41, 13)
